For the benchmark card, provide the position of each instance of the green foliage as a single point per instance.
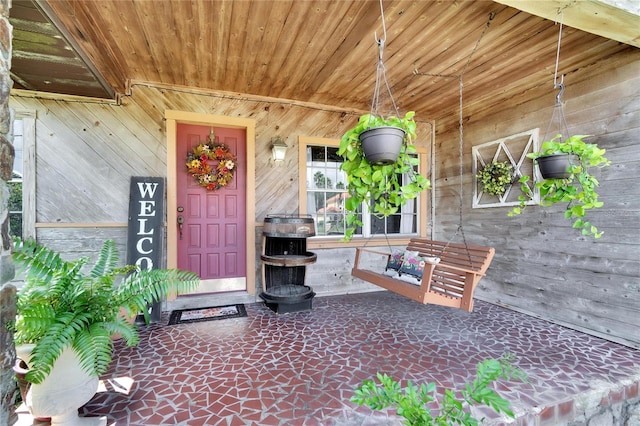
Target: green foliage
(15, 208)
(322, 181)
(496, 177)
(381, 184)
(60, 306)
(412, 402)
(578, 190)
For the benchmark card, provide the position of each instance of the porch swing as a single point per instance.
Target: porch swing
(429, 271)
(439, 272)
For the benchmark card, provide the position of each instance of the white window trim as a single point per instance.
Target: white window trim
(502, 146)
(28, 118)
(358, 240)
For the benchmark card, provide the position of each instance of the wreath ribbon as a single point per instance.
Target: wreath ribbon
(212, 165)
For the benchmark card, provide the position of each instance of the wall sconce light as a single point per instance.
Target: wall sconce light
(278, 148)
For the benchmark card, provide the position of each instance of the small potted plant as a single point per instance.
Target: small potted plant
(379, 182)
(577, 189)
(496, 177)
(67, 318)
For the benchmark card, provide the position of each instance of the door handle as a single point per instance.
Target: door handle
(180, 224)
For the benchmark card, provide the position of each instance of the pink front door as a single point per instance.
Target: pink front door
(212, 235)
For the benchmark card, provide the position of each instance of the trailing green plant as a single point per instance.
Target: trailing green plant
(578, 190)
(496, 177)
(413, 402)
(61, 306)
(380, 186)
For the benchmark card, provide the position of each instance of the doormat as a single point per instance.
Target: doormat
(183, 316)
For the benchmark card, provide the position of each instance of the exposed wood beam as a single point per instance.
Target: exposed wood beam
(61, 97)
(614, 19)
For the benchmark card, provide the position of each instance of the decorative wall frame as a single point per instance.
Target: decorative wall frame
(513, 149)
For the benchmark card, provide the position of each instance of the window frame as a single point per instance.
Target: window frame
(28, 118)
(327, 241)
(514, 149)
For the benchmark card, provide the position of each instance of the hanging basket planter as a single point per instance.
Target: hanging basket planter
(379, 158)
(382, 145)
(556, 166)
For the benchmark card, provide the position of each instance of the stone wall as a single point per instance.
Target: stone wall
(8, 295)
(618, 405)
(7, 355)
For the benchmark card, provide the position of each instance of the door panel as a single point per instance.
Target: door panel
(212, 241)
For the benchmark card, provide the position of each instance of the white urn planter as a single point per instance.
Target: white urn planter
(67, 388)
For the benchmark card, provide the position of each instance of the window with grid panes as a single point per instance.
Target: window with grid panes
(15, 184)
(326, 192)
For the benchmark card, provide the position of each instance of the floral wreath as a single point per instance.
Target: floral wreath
(201, 165)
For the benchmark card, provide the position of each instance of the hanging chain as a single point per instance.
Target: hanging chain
(558, 109)
(381, 72)
(461, 132)
(461, 166)
(461, 124)
(555, 75)
(384, 30)
(486, 27)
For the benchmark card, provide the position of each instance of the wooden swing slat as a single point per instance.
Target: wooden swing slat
(448, 283)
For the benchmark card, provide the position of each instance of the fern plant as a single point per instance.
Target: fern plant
(412, 402)
(61, 306)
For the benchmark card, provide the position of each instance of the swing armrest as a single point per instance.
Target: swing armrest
(356, 263)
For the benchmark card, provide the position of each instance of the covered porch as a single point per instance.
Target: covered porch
(302, 368)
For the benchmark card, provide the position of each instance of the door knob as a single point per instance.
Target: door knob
(180, 223)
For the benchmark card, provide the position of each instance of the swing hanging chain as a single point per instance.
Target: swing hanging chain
(460, 229)
(477, 46)
(381, 72)
(461, 122)
(461, 142)
(461, 164)
(460, 154)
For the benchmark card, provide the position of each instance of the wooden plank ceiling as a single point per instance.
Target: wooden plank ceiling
(44, 60)
(320, 51)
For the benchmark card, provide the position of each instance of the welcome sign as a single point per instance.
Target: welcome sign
(146, 213)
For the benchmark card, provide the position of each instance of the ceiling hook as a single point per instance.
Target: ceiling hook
(561, 92)
(381, 41)
(380, 47)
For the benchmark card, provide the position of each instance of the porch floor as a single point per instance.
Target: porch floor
(301, 368)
